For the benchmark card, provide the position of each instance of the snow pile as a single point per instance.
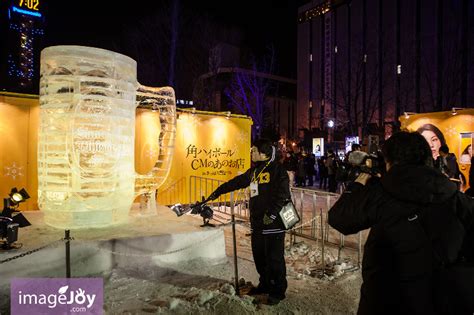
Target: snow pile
(186, 291)
(304, 260)
(198, 288)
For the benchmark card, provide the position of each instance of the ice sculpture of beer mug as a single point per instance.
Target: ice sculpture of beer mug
(86, 173)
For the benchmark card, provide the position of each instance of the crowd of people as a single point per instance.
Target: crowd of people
(305, 170)
(330, 173)
(419, 255)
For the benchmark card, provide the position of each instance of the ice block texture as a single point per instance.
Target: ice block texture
(86, 175)
(163, 101)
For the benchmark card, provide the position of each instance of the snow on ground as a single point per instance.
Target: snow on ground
(196, 287)
(204, 287)
(207, 290)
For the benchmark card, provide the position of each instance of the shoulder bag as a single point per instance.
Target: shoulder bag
(289, 215)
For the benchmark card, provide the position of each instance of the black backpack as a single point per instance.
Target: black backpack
(455, 281)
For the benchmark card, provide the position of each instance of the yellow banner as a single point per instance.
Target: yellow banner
(18, 146)
(210, 148)
(454, 128)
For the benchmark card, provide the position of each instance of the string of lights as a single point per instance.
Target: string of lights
(25, 27)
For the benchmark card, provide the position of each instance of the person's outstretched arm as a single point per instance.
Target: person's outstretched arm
(238, 182)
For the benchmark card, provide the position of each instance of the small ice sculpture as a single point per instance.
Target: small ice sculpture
(88, 99)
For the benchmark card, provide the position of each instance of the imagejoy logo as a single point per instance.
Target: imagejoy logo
(56, 296)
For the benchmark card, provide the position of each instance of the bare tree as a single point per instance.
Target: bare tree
(350, 112)
(174, 41)
(452, 61)
(171, 46)
(249, 89)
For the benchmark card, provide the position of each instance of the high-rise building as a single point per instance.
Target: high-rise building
(22, 28)
(363, 63)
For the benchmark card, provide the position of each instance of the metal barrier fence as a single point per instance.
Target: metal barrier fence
(312, 206)
(169, 195)
(200, 187)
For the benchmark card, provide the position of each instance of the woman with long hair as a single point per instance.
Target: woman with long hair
(434, 137)
(466, 155)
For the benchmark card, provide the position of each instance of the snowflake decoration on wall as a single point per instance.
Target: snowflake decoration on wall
(451, 130)
(196, 121)
(242, 137)
(14, 171)
(151, 153)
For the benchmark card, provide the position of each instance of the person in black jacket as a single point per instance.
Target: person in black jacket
(269, 190)
(470, 191)
(449, 163)
(420, 225)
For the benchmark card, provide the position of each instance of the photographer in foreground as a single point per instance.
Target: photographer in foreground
(419, 254)
(269, 191)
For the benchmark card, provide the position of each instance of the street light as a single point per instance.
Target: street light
(407, 114)
(455, 109)
(331, 124)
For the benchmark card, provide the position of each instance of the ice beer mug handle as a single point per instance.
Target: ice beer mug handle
(156, 131)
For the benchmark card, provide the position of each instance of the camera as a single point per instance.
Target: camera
(200, 208)
(362, 162)
(372, 165)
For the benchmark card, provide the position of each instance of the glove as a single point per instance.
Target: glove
(267, 220)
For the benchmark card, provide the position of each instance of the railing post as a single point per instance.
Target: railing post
(313, 224)
(328, 206)
(292, 231)
(302, 209)
(322, 241)
(68, 253)
(190, 187)
(234, 241)
(341, 246)
(359, 249)
(201, 192)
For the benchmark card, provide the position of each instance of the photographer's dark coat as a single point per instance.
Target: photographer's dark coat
(419, 223)
(273, 191)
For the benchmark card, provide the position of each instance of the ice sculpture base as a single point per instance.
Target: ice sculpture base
(85, 219)
(159, 241)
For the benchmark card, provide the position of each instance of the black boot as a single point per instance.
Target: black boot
(258, 290)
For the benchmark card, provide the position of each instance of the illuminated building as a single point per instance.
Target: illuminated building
(21, 29)
(362, 63)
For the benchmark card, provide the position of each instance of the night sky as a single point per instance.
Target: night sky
(103, 23)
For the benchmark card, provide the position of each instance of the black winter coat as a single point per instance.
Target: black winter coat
(418, 221)
(273, 191)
